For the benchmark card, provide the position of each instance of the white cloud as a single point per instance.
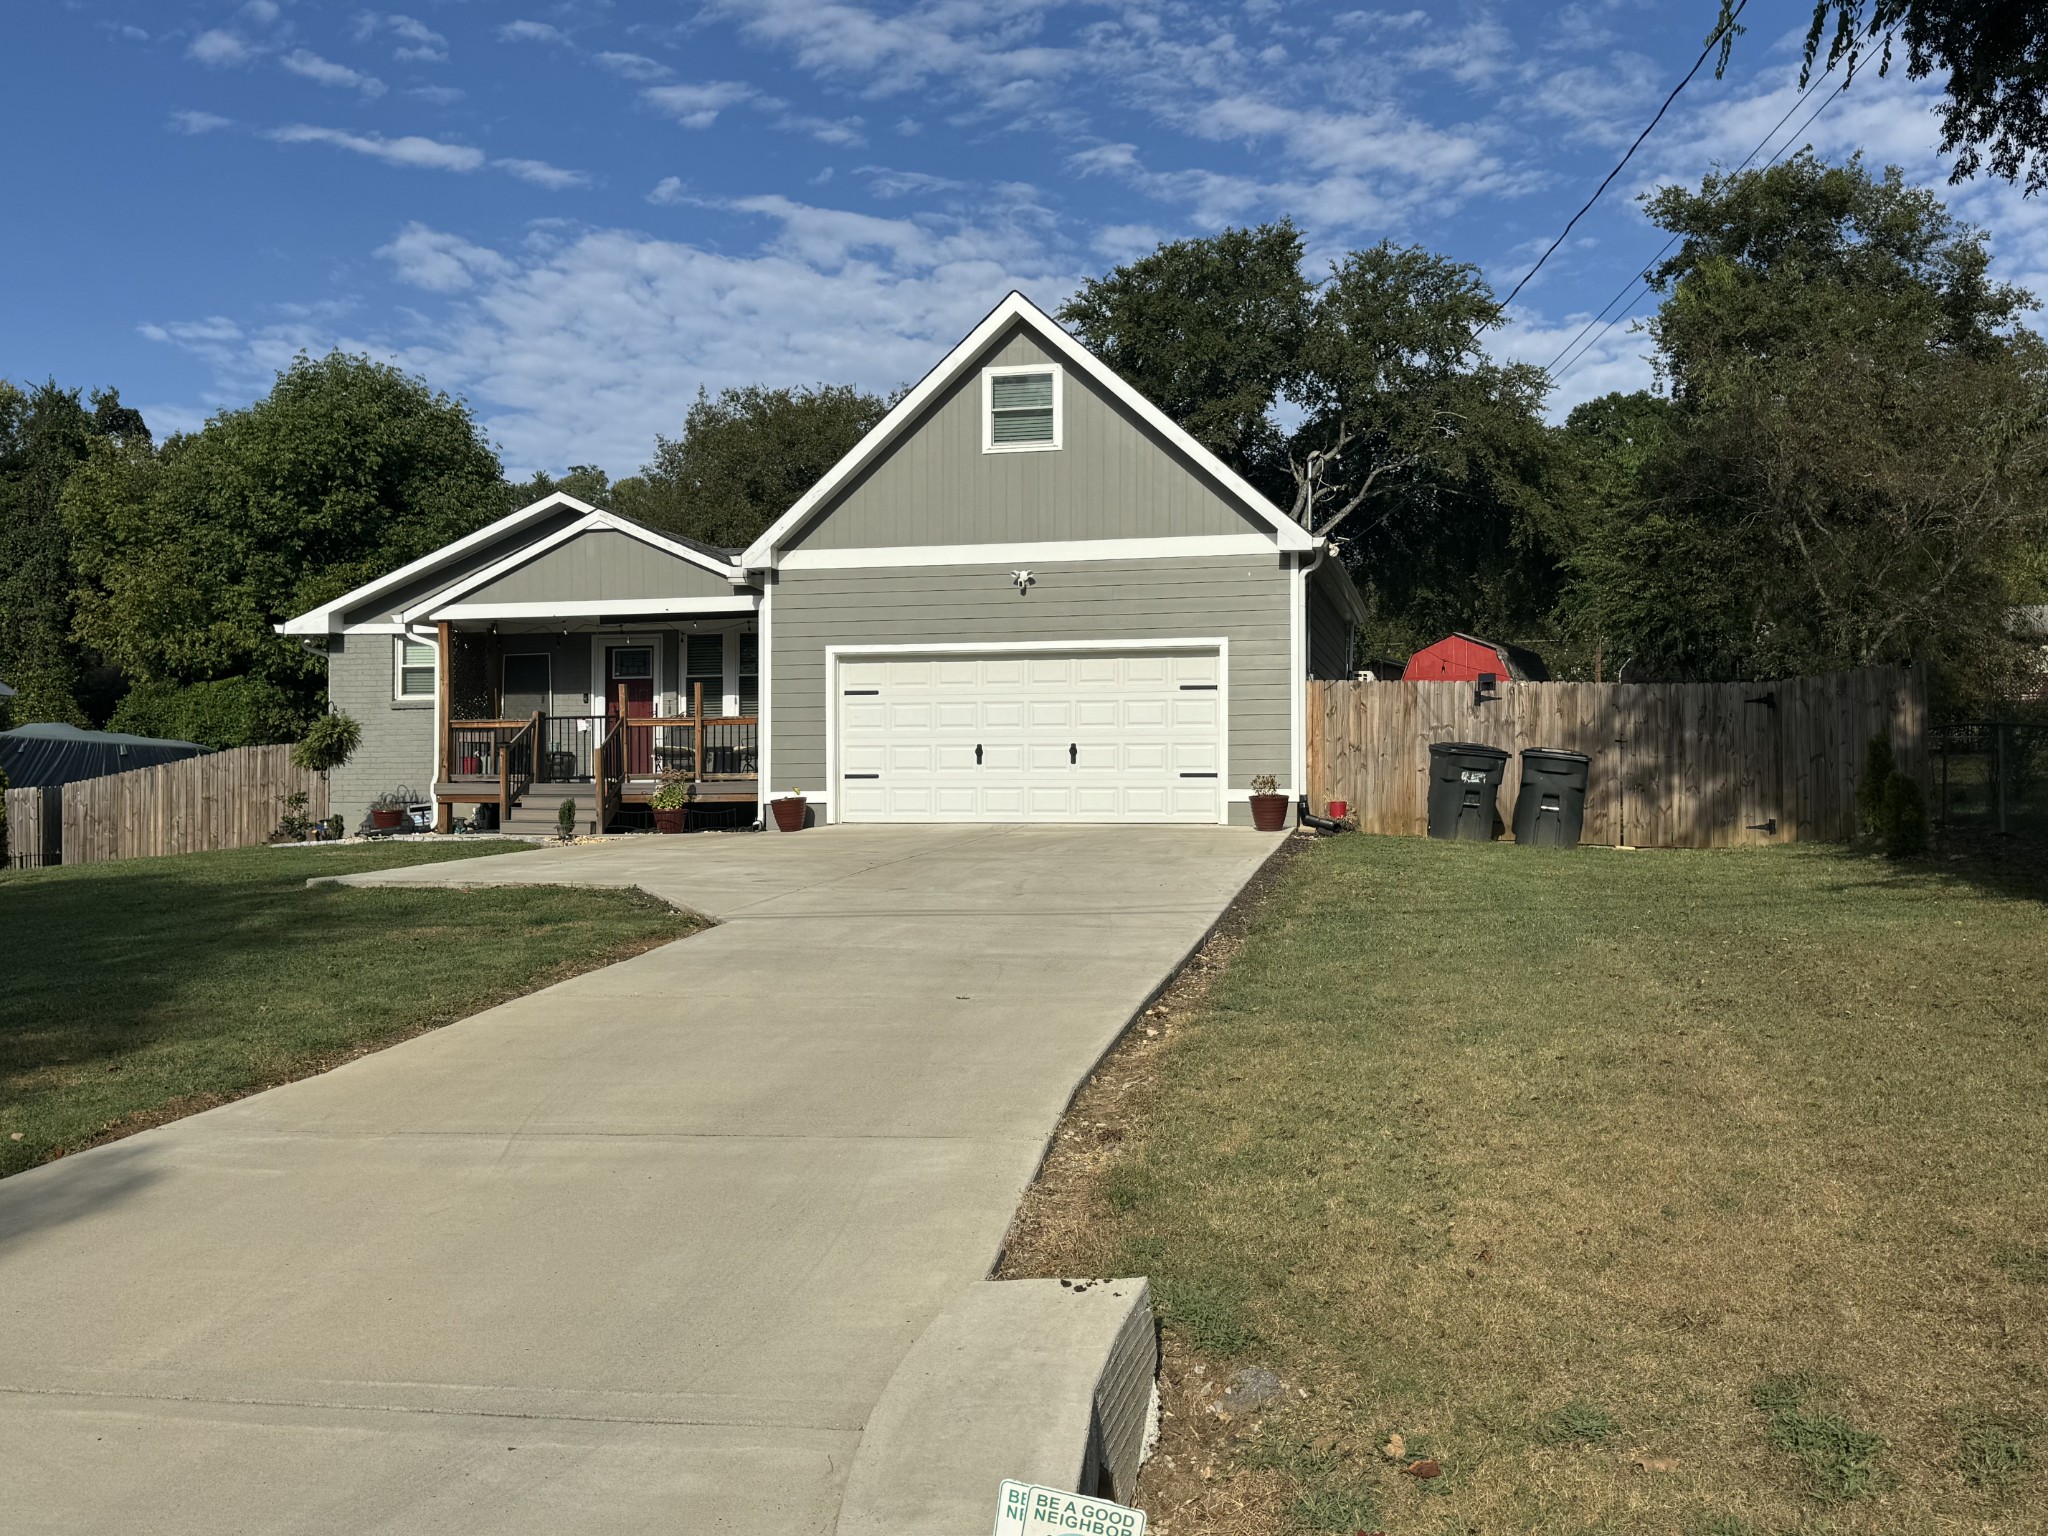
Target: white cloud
(633, 66)
(437, 95)
(579, 348)
(418, 42)
(697, 106)
(411, 151)
(218, 49)
(886, 182)
(825, 130)
(441, 263)
(309, 65)
(199, 122)
(667, 192)
(541, 174)
(262, 12)
(531, 32)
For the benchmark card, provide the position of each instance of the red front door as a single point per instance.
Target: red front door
(629, 691)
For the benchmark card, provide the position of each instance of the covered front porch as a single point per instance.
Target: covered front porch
(598, 712)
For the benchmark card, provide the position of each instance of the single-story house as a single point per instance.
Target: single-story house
(1026, 595)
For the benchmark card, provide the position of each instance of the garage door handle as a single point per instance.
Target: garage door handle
(1073, 752)
(977, 754)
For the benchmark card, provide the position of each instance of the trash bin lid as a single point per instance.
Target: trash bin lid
(1466, 749)
(1557, 753)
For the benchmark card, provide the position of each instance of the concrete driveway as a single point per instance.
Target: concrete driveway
(635, 1253)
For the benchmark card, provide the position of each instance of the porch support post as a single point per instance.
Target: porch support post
(444, 746)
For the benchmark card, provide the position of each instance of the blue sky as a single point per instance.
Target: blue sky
(575, 214)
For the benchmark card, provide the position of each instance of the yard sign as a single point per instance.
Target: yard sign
(1024, 1509)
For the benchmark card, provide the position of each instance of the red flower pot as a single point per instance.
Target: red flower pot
(669, 821)
(387, 821)
(1337, 808)
(1269, 813)
(789, 813)
(472, 765)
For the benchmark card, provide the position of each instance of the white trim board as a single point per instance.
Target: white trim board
(1047, 552)
(736, 606)
(765, 552)
(835, 654)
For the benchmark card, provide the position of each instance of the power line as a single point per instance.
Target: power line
(1825, 103)
(1713, 42)
(1627, 287)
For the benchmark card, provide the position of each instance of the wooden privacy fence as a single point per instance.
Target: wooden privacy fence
(229, 799)
(33, 829)
(1674, 765)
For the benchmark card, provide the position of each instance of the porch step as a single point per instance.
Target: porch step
(535, 810)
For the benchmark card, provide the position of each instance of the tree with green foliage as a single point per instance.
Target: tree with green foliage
(1362, 404)
(45, 434)
(586, 482)
(1854, 459)
(744, 458)
(1994, 53)
(192, 553)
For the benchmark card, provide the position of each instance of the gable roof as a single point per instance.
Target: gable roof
(327, 618)
(762, 553)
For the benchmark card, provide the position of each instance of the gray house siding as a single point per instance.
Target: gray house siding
(599, 565)
(1243, 599)
(398, 736)
(1112, 478)
(1330, 635)
(388, 606)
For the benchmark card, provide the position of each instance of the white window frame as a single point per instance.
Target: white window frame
(398, 669)
(988, 415)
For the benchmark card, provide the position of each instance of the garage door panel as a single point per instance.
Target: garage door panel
(1092, 736)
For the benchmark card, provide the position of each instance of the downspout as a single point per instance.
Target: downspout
(1302, 814)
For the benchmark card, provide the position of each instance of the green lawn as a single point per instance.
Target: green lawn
(1700, 1193)
(134, 992)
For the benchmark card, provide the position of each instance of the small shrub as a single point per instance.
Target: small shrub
(565, 819)
(1905, 818)
(328, 743)
(1878, 767)
(336, 828)
(1840, 1459)
(1578, 1422)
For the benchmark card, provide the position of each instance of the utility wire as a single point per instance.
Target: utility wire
(1629, 286)
(1826, 102)
(1713, 43)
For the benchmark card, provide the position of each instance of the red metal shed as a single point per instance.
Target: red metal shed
(1461, 658)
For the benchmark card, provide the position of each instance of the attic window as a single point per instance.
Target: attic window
(1020, 408)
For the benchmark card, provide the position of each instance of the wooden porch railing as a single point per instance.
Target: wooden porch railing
(609, 760)
(515, 766)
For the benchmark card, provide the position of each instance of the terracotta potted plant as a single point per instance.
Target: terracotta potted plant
(789, 811)
(671, 801)
(1269, 806)
(387, 811)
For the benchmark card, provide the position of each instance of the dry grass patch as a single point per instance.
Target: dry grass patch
(1690, 1193)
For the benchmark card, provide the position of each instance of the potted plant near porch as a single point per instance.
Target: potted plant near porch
(1269, 806)
(387, 811)
(789, 811)
(671, 801)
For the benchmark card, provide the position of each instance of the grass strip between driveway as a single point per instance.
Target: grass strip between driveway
(1690, 1193)
(137, 992)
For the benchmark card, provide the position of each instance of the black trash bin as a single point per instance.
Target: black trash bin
(1550, 807)
(1464, 783)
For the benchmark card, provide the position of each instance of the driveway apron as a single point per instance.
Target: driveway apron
(635, 1253)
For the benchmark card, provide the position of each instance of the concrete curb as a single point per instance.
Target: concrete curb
(1045, 1381)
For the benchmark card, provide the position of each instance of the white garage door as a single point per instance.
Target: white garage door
(1092, 736)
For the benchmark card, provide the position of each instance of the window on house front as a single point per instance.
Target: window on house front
(415, 669)
(750, 675)
(704, 662)
(1022, 409)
